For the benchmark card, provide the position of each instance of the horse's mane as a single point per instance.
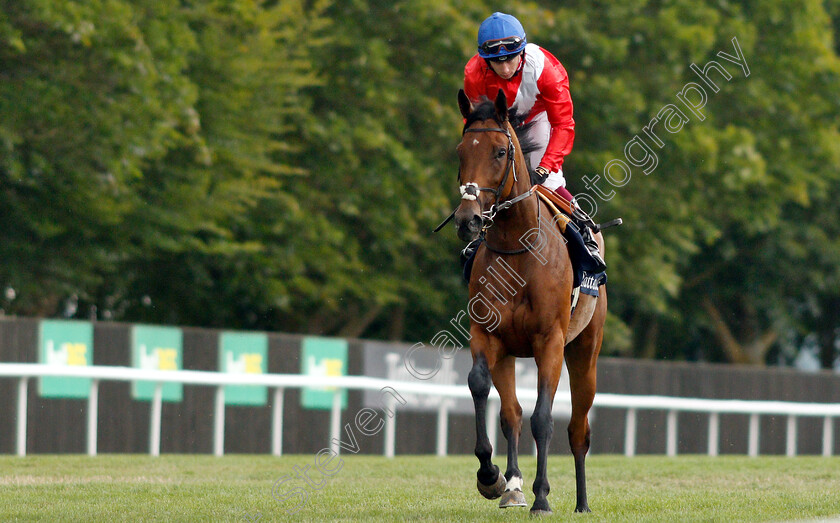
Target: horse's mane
(483, 111)
(526, 144)
(486, 110)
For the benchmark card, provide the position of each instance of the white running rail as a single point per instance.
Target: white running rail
(279, 382)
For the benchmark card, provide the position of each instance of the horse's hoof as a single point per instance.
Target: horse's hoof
(540, 513)
(512, 498)
(582, 509)
(492, 491)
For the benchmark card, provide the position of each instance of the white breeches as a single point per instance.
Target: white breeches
(538, 133)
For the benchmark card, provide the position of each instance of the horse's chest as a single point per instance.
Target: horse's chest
(519, 321)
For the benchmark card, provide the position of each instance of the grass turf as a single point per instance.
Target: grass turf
(239, 488)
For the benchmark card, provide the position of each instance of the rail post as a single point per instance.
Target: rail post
(828, 436)
(154, 424)
(23, 389)
(790, 442)
(630, 433)
(335, 422)
(671, 435)
(92, 417)
(752, 445)
(442, 427)
(714, 434)
(219, 422)
(493, 407)
(390, 427)
(277, 422)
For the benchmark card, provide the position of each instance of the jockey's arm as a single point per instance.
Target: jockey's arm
(554, 92)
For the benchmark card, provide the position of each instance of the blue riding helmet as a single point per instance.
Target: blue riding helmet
(500, 35)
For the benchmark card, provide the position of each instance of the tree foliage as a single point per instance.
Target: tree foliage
(280, 165)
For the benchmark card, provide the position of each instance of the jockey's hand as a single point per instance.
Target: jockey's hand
(539, 175)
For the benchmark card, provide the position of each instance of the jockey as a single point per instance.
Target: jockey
(537, 89)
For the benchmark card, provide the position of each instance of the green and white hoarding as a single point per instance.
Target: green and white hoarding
(156, 348)
(244, 353)
(65, 343)
(323, 357)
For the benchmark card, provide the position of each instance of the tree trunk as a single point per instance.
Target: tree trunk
(357, 326)
(397, 328)
(827, 331)
(751, 352)
(651, 339)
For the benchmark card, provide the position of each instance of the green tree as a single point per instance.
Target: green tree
(380, 157)
(280, 165)
(226, 198)
(711, 251)
(87, 101)
(138, 139)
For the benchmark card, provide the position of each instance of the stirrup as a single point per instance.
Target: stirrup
(584, 221)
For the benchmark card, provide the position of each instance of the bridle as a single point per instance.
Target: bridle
(470, 190)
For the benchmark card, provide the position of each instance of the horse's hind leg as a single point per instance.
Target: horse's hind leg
(491, 482)
(511, 416)
(549, 364)
(582, 383)
(581, 357)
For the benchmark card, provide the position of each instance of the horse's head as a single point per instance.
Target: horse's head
(487, 172)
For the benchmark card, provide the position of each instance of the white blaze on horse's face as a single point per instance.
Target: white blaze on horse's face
(475, 142)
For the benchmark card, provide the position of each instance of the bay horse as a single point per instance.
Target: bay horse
(535, 321)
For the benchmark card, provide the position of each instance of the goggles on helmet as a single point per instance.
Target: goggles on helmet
(509, 44)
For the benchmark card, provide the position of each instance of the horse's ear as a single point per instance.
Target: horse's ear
(501, 107)
(464, 103)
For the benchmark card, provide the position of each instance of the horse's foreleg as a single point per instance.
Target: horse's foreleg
(491, 482)
(549, 366)
(511, 417)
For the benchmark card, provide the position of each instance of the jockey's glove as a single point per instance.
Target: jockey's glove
(540, 175)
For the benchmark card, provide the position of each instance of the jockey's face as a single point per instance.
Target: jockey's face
(507, 68)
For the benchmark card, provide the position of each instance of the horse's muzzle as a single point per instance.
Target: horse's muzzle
(469, 225)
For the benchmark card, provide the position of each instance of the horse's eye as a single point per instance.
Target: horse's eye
(501, 153)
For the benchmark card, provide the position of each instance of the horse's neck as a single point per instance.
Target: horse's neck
(512, 224)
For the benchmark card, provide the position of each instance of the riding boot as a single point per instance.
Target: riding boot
(586, 226)
(592, 247)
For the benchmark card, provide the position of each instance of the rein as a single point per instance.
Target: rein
(511, 202)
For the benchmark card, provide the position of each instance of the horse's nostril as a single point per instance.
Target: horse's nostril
(468, 229)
